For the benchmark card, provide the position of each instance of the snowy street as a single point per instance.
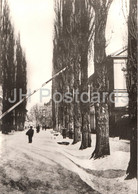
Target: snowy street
(49, 168)
(68, 97)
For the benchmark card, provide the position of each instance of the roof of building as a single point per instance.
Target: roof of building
(119, 52)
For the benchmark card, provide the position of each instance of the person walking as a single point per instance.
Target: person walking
(38, 128)
(30, 134)
(64, 132)
(45, 127)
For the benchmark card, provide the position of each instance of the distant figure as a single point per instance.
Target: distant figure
(64, 133)
(30, 134)
(38, 128)
(70, 133)
(45, 127)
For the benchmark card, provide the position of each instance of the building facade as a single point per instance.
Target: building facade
(117, 90)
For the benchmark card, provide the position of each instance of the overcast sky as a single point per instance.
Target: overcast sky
(34, 20)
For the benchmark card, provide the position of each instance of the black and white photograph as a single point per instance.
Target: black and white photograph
(68, 97)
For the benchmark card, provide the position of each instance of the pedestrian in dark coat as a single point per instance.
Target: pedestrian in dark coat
(64, 133)
(38, 128)
(30, 134)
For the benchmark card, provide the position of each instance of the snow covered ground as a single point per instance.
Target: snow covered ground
(48, 167)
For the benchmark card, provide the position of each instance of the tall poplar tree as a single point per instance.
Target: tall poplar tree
(0, 41)
(101, 8)
(21, 85)
(8, 68)
(132, 86)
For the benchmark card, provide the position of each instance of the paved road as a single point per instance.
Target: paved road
(37, 168)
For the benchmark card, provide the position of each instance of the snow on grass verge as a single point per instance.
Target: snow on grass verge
(107, 174)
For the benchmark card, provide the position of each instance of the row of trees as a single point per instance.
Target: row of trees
(79, 24)
(14, 81)
(71, 46)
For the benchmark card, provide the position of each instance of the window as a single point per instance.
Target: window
(120, 89)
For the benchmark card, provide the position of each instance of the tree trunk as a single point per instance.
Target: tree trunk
(84, 102)
(102, 131)
(84, 98)
(77, 123)
(100, 82)
(132, 87)
(0, 42)
(77, 112)
(132, 166)
(53, 106)
(86, 135)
